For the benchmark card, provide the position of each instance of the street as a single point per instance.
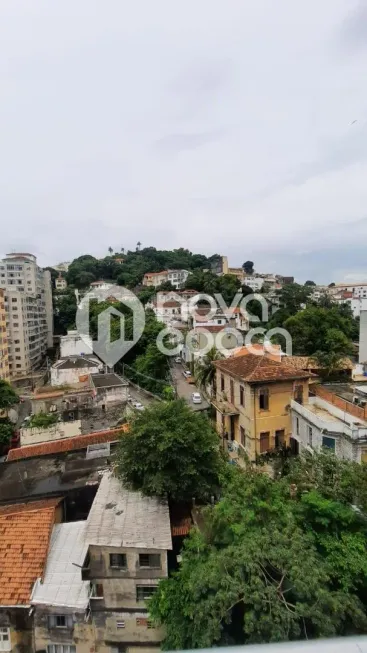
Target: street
(185, 389)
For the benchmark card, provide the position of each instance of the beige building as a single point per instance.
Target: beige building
(127, 539)
(4, 360)
(60, 283)
(29, 314)
(253, 402)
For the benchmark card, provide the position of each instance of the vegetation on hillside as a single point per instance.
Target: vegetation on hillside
(272, 561)
(42, 420)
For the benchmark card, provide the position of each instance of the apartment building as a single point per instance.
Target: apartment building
(60, 283)
(176, 277)
(29, 314)
(4, 360)
(128, 537)
(357, 289)
(253, 399)
(334, 418)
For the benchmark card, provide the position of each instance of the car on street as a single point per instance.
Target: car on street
(138, 406)
(196, 398)
(177, 359)
(186, 374)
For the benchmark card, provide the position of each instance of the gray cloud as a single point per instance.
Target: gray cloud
(218, 127)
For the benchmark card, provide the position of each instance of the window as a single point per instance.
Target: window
(144, 592)
(242, 436)
(118, 560)
(60, 621)
(297, 426)
(298, 394)
(328, 442)
(14, 300)
(242, 395)
(279, 438)
(264, 398)
(96, 591)
(152, 560)
(222, 382)
(264, 441)
(232, 391)
(120, 624)
(309, 436)
(61, 648)
(5, 644)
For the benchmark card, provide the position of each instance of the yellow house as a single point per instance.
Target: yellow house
(253, 398)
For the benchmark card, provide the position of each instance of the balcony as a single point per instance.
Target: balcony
(328, 421)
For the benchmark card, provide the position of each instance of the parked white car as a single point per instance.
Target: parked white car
(186, 374)
(138, 405)
(196, 398)
(177, 359)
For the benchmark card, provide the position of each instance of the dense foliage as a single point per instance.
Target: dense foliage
(8, 396)
(42, 420)
(6, 432)
(273, 561)
(171, 451)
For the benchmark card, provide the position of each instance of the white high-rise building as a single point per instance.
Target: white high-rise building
(29, 315)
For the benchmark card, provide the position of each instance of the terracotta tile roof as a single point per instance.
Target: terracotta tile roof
(25, 531)
(258, 369)
(308, 363)
(244, 351)
(68, 444)
(183, 528)
(211, 328)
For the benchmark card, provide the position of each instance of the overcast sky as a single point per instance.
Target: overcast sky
(218, 125)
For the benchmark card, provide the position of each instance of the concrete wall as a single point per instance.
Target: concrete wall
(58, 431)
(112, 395)
(73, 345)
(119, 602)
(344, 447)
(71, 376)
(20, 626)
(80, 634)
(363, 333)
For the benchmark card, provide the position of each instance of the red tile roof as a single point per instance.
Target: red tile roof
(25, 531)
(258, 369)
(67, 444)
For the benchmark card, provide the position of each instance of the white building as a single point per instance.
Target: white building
(61, 267)
(28, 306)
(319, 423)
(74, 370)
(109, 389)
(60, 283)
(358, 289)
(73, 345)
(177, 277)
(255, 283)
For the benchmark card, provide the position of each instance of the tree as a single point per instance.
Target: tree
(267, 565)
(6, 432)
(171, 451)
(206, 372)
(331, 285)
(248, 267)
(8, 396)
(84, 279)
(138, 245)
(122, 250)
(110, 249)
(317, 329)
(310, 283)
(166, 285)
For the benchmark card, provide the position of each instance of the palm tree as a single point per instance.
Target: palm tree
(122, 250)
(110, 249)
(138, 245)
(206, 371)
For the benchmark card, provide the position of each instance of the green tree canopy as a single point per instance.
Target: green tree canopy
(317, 329)
(271, 562)
(171, 451)
(8, 396)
